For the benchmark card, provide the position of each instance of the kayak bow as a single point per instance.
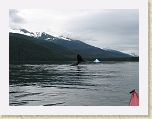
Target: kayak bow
(134, 100)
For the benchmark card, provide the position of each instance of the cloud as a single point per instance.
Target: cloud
(15, 19)
(113, 22)
(117, 29)
(106, 28)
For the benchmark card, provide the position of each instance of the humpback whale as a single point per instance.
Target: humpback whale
(79, 59)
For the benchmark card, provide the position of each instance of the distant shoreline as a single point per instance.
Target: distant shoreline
(131, 59)
(120, 59)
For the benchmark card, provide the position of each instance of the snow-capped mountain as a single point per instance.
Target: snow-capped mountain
(133, 54)
(65, 38)
(23, 31)
(38, 35)
(116, 51)
(75, 45)
(28, 33)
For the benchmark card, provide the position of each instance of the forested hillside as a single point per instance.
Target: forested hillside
(25, 48)
(21, 49)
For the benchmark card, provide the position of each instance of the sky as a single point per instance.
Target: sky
(116, 29)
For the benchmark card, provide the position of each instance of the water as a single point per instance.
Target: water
(58, 84)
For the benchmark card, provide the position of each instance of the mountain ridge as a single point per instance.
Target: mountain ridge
(76, 46)
(44, 45)
(22, 49)
(46, 36)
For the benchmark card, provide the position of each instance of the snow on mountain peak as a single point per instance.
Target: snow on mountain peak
(22, 31)
(37, 34)
(133, 54)
(107, 49)
(25, 32)
(65, 38)
(112, 50)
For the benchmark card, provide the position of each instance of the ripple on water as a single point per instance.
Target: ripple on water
(106, 83)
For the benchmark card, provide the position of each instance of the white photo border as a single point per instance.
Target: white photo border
(142, 109)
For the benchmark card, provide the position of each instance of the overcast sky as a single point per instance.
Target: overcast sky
(104, 28)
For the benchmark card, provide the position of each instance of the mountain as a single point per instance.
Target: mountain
(79, 46)
(116, 51)
(23, 44)
(134, 55)
(22, 31)
(71, 46)
(21, 49)
(96, 52)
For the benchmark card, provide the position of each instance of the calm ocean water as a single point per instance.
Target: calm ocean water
(59, 84)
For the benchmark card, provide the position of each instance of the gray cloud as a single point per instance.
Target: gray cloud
(15, 19)
(111, 28)
(111, 22)
(117, 29)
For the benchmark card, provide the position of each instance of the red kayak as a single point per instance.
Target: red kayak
(134, 100)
